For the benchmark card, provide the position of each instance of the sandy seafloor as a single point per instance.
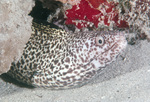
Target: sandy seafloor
(125, 80)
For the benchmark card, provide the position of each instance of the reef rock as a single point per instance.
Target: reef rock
(15, 30)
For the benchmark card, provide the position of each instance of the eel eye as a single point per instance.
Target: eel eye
(99, 40)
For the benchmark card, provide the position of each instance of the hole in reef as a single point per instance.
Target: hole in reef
(38, 12)
(43, 9)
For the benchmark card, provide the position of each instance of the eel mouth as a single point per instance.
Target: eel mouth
(120, 45)
(117, 46)
(113, 47)
(86, 64)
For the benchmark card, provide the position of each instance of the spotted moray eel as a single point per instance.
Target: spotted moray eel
(56, 59)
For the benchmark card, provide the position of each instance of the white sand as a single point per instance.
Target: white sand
(122, 81)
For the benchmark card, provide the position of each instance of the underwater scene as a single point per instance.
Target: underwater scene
(75, 51)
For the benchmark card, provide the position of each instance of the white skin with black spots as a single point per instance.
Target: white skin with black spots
(56, 59)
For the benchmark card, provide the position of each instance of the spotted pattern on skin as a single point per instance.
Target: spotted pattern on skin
(56, 59)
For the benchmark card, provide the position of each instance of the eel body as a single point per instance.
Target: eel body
(56, 59)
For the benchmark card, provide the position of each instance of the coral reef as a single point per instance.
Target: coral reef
(15, 30)
(84, 16)
(90, 13)
(132, 14)
(137, 14)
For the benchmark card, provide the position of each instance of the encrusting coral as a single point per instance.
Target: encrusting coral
(89, 13)
(137, 14)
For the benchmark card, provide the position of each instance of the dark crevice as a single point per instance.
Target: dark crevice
(43, 9)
